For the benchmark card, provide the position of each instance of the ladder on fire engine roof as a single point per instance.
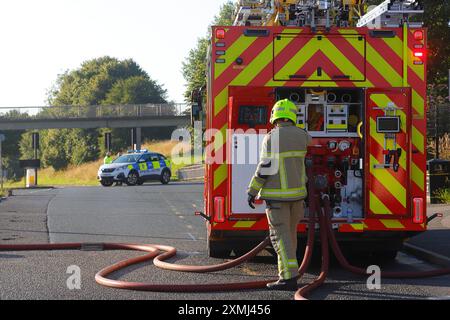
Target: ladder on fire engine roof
(393, 13)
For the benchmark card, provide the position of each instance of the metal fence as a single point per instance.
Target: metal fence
(88, 112)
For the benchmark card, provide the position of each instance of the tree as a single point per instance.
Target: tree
(194, 66)
(101, 81)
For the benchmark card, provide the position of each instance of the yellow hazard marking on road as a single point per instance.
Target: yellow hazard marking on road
(377, 206)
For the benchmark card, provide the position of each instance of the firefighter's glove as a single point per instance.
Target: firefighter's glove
(251, 201)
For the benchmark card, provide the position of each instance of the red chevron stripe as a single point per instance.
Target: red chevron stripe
(290, 51)
(388, 199)
(250, 54)
(388, 54)
(320, 59)
(268, 72)
(415, 82)
(344, 45)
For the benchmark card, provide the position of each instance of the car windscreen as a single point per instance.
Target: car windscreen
(128, 158)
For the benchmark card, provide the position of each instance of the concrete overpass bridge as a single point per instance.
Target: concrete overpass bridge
(95, 117)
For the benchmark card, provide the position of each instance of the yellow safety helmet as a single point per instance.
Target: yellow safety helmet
(284, 109)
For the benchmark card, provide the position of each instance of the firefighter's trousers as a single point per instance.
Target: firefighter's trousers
(284, 218)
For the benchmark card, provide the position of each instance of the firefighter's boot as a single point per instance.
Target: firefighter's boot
(284, 285)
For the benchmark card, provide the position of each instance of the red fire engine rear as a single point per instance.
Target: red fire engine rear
(361, 95)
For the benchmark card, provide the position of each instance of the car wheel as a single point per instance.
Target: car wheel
(165, 177)
(107, 183)
(140, 182)
(133, 178)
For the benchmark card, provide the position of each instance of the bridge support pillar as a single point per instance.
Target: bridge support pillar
(138, 138)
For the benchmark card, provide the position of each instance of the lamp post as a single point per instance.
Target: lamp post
(2, 138)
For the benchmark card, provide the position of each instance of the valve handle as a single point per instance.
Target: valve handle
(360, 125)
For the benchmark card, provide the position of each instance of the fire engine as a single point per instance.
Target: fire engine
(358, 78)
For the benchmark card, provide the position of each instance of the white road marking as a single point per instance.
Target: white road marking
(191, 236)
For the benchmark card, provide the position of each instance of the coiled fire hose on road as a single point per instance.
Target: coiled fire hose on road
(160, 253)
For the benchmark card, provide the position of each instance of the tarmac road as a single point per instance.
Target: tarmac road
(156, 214)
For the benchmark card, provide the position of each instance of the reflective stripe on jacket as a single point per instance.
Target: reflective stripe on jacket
(281, 174)
(108, 160)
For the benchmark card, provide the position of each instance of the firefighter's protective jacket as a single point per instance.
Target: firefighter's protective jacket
(281, 174)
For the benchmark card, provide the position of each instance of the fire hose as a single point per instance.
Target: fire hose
(319, 205)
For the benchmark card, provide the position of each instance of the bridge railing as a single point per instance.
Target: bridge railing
(94, 112)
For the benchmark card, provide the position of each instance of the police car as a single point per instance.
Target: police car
(135, 168)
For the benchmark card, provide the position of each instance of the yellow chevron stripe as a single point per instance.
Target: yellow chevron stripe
(357, 226)
(418, 176)
(220, 175)
(396, 44)
(244, 224)
(377, 206)
(220, 101)
(339, 59)
(393, 224)
(233, 52)
(262, 60)
(251, 71)
(379, 63)
(418, 140)
(220, 138)
(418, 103)
(297, 61)
(385, 178)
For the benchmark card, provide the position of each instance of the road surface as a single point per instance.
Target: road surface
(154, 214)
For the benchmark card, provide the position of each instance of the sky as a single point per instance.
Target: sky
(41, 39)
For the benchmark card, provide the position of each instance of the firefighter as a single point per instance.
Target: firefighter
(108, 159)
(280, 180)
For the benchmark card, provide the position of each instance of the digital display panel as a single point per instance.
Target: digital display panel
(388, 125)
(253, 115)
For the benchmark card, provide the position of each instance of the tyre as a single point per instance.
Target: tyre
(107, 183)
(140, 182)
(133, 178)
(218, 249)
(165, 177)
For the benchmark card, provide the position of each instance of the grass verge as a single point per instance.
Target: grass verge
(86, 174)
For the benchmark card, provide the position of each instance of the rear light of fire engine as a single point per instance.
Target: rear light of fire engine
(418, 35)
(219, 209)
(220, 34)
(419, 56)
(418, 208)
